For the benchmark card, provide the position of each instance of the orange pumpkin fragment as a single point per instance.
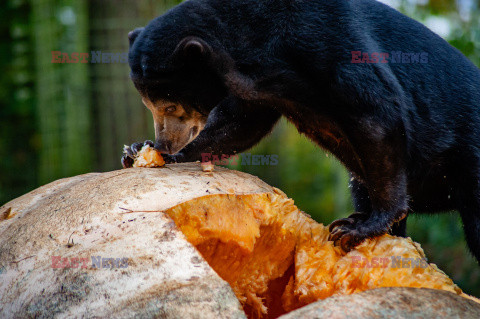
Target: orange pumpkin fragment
(207, 166)
(148, 157)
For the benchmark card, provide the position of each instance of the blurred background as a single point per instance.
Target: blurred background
(59, 120)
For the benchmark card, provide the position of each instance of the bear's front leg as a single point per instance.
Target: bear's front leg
(381, 194)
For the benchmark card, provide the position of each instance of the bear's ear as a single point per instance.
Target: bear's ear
(132, 35)
(191, 50)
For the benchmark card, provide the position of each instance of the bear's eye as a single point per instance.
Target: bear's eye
(170, 109)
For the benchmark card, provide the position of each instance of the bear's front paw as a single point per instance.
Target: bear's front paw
(130, 152)
(347, 232)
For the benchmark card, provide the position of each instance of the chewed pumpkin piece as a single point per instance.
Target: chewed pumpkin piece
(148, 157)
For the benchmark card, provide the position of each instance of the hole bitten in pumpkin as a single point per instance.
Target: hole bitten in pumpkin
(277, 259)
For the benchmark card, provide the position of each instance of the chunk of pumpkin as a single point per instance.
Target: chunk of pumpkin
(148, 157)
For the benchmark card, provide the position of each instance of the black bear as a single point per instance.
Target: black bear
(395, 103)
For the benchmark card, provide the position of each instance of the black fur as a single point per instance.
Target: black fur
(408, 133)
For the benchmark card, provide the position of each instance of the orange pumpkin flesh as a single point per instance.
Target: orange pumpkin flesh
(276, 258)
(148, 157)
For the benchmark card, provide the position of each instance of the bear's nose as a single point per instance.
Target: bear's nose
(163, 147)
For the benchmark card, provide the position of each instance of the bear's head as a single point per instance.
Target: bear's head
(179, 76)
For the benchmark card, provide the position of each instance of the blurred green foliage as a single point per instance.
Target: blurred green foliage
(59, 120)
